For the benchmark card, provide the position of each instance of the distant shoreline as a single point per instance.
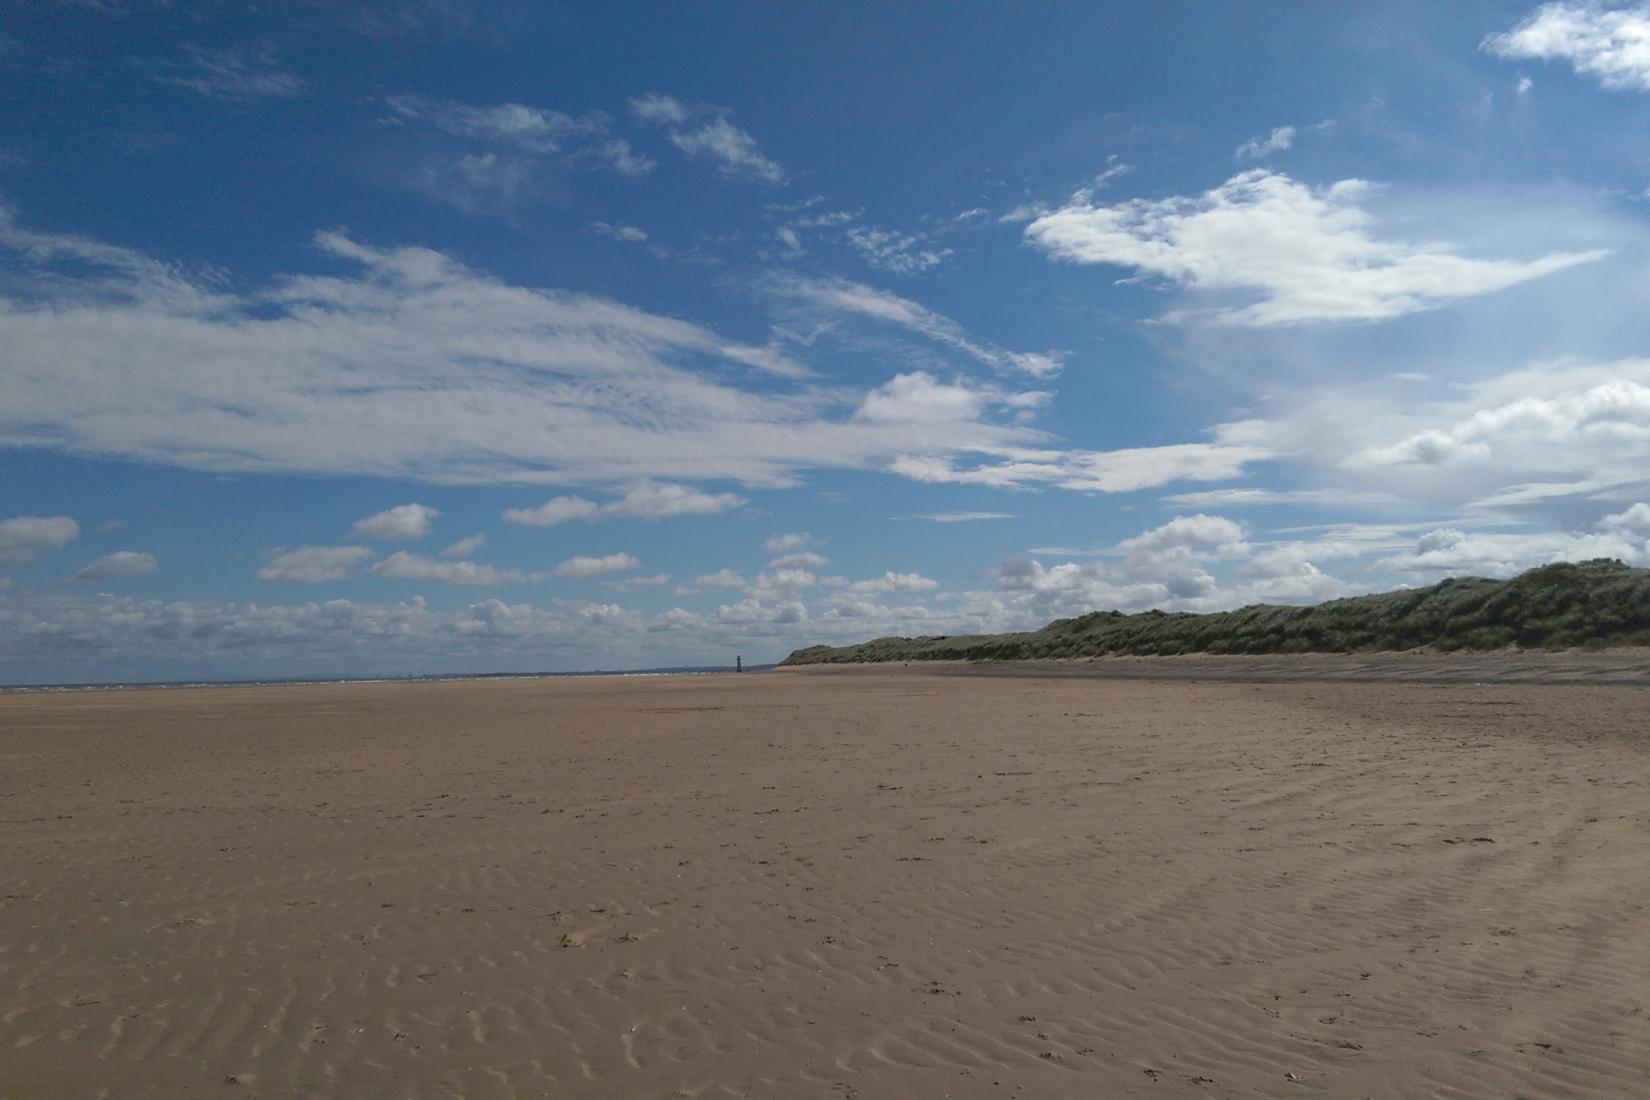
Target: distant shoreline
(432, 678)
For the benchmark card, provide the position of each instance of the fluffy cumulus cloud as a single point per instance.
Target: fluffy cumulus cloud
(404, 566)
(644, 500)
(122, 563)
(22, 537)
(398, 524)
(1301, 254)
(701, 131)
(1197, 532)
(101, 637)
(791, 540)
(1608, 43)
(463, 548)
(722, 578)
(1610, 413)
(805, 559)
(313, 564)
(586, 566)
(650, 500)
(1452, 552)
(891, 581)
(553, 511)
(407, 364)
(1636, 518)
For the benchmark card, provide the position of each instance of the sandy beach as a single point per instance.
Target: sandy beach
(827, 884)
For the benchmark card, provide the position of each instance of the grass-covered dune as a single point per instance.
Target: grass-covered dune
(1594, 603)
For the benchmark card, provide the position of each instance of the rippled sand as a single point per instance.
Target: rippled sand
(827, 885)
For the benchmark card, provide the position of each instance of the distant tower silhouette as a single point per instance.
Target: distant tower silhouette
(738, 664)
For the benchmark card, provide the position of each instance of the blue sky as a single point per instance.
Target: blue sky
(452, 336)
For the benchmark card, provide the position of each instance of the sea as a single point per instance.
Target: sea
(432, 678)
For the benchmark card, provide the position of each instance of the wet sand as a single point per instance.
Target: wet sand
(838, 883)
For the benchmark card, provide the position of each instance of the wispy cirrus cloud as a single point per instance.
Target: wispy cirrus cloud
(233, 75)
(1302, 254)
(530, 129)
(406, 363)
(704, 131)
(508, 145)
(840, 297)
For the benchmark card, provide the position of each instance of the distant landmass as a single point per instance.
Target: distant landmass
(1590, 604)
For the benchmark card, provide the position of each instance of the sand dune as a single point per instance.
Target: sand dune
(826, 885)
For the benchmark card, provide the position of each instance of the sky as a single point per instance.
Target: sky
(421, 336)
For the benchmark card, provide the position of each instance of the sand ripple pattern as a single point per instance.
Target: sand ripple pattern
(826, 886)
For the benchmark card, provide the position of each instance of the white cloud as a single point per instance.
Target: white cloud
(722, 578)
(805, 559)
(1200, 531)
(538, 131)
(661, 109)
(554, 511)
(1611, 413)
(657, 580)
(398, 524)
(594, 567)
(1504, 554)
(961, 517)
(1611, 44)
(122, 563)
(236, 75)
(795, 540)
(1234, 498)
(21, 537)
(405, 566)
(530, 129)
(618, 153)
(78, 638)
(413, 366)
(920, 398)
(311, 564)
(463, 548)
(839, 296)
(619, 232)
(1120, 471)
(645, 499)
(1308, 254)
(772, 583)
(1636, 518)
(476, 183)
(653, 500)
(706, 131)
(1279, 140)
(891, 581)
(900, 253)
